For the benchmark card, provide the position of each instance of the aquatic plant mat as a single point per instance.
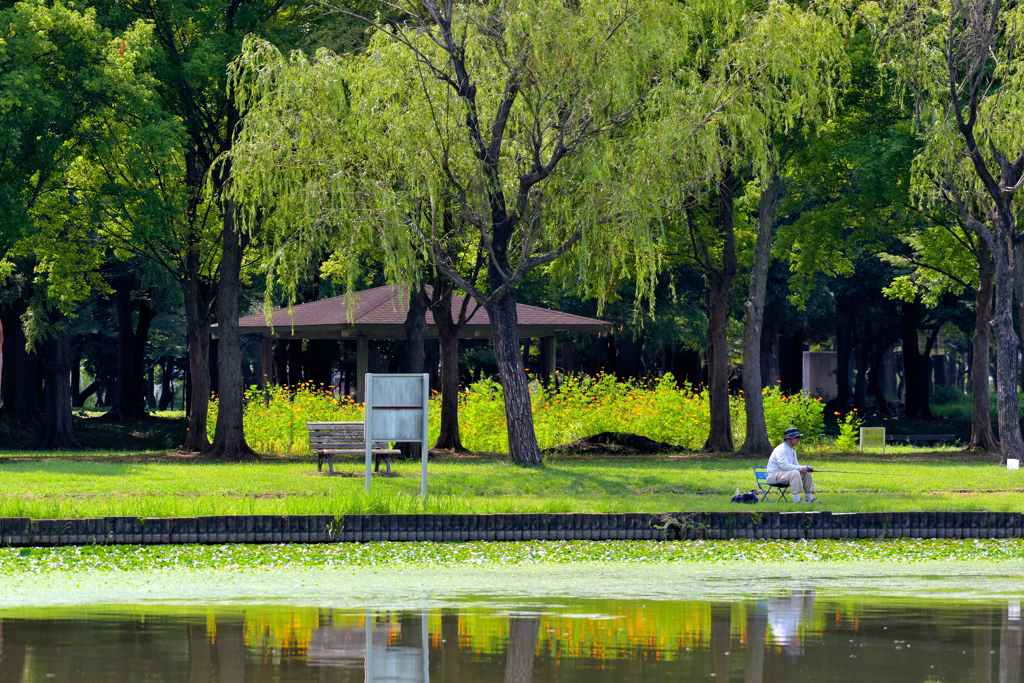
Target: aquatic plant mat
(397, 576)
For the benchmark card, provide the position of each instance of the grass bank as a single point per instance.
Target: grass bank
(165, 486)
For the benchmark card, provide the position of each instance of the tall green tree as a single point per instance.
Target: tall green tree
(196, 43)
(961, 64)
(777, 68)
(61, 74)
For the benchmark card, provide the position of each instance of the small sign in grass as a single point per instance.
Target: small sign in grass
(872, 437)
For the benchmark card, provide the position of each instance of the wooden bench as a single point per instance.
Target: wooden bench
(328, 439)
(933, 438)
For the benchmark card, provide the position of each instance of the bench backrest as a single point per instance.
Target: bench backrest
(338, 435)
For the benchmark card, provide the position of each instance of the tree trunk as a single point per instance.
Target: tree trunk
(756, 441)
(981, 419)
(415, 346)
(229, 435)
(1018, 296)
(57, 432)
(448, 341)
(197, 329)
(523, 448)
(416, 329)
(860, 390)
(911, 361)
(1007, 347)
(522, 646)
(720, 435)
(19, 379)
(121, 408)
(925, 410)
(166, 374)
(719, 284)
(129, 392)
(844, 338)
(770, 376)
(875, 387)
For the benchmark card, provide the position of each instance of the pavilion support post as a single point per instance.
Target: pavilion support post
(266, 363)
(266, 367)
(280, 362)
(547, 354)
(362, 367)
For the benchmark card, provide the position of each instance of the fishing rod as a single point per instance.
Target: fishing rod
(877, 474)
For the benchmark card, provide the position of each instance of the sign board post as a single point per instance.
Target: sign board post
(872, 436)
(396, 410)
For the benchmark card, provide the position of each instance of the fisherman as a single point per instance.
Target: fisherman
(783, 468)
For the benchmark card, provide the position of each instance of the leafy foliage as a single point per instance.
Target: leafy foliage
(275, 422)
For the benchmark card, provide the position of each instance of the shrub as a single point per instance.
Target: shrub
(849, 432)
(275, 421)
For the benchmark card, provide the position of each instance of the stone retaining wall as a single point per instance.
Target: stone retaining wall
(22, 531)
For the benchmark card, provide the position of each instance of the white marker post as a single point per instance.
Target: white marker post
(396, 410)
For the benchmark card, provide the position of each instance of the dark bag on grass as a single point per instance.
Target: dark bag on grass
(748, 497)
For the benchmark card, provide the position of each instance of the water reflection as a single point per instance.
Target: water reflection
(785, 636)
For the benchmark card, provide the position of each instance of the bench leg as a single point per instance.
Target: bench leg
(319, 463)
(330, 464)
(387, 461)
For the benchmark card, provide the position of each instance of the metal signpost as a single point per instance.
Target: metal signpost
(396, 410)
(872, 436)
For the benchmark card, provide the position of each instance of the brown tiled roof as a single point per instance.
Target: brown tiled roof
(379, 313)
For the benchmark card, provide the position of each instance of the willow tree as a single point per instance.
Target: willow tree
(763, 72)
(961, 62)
(511, 118)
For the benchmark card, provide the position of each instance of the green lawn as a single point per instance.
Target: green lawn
(167, 486)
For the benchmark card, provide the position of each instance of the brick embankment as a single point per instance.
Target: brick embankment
(21, 531)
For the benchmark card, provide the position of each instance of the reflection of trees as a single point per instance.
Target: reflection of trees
(230, 652)
(757, 628)
(721, 636)
(412, 630)
(198, 653)
(450, 647)
(522, 645)
(983, 647)
(12, 653)
(1009, 647)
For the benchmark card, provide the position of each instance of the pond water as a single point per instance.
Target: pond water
(785, 633)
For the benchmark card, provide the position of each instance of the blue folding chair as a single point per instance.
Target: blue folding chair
(761, 474)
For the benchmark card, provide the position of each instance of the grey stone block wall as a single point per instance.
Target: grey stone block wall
(22, 531)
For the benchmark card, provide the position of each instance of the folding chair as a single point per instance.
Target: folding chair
(761, 474)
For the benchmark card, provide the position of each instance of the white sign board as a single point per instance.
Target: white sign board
(396, 410)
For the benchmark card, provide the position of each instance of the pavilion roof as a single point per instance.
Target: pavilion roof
(379, 313)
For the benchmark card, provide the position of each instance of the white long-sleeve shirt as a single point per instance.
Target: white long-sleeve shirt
(783, 459)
